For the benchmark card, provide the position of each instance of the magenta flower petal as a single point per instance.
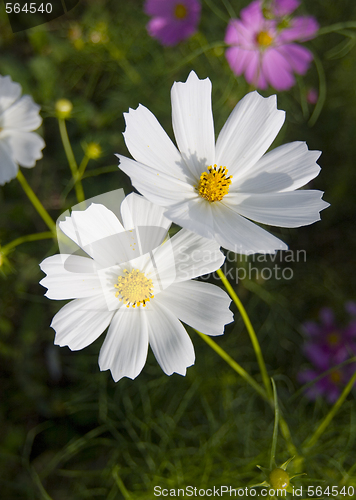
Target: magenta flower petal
(328, 386)
(281, 8)
(278, 70)
(351, 308)
(172, 20)
(238, 59)
(300, 29)
(312, 96)
(254, 72)
(327, 317)
(252, 15)
(298, 57)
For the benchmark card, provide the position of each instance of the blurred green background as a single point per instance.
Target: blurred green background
(67, 430)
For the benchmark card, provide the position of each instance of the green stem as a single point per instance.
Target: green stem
(272, 463)
(36, 202)
(71, 160)
(336, 27)
(243, 373)
(23, 239)
(120, 484)
(251, 332)
(323, 425)
(83, 166)
(199, 52)
(235, 366)
(322, 91)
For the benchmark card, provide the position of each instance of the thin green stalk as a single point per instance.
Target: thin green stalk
(322, 91)
(36, 202)
(120, 484)
(71, 160)
(336, 27)
(275, 428)
(37, 481)
(243, 373)
(100, 171)
(235, 366)
(323, 425)
(83, 166)
(251, 332)
(23, 239)
(199, 52)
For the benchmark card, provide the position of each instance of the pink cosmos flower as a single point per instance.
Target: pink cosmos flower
(328, 345)
(172, 20)
(261, 44)
(330, 386)
(328, 342)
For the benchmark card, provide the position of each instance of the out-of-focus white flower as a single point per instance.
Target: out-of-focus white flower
(137, 282)
(214, 189)
(19, 116)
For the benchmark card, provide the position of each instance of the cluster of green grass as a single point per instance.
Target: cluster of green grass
(67, 430)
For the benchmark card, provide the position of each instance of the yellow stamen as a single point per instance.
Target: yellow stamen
(333, 338)
(335, 376)
(213, 186)
(180, 11)
(264, 39)
(134, 288)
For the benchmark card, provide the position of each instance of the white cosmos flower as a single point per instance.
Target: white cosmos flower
(139, 284)
(19, 116)
(214, 189)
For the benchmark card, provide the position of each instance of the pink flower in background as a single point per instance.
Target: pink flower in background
(172, 20)
(330, 386)
(261, 44)
(328, 345)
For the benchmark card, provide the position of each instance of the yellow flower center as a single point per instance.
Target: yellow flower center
(180, 11)
(214, 185)
(333, 338)
(134, 288)
(279, 479)
(264, 39)
(335, 376)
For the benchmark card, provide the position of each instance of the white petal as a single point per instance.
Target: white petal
(81, 322)
(248, 133)
(290, 209)
(193, 123)
(26, 147)
(202, 306)
(23, 115)
(70, 277)
(148, 219)
(95, 223)
(169, 340)
(193, 256)
(195, 215)
(149, 144)
(9, 92)
(124, 350)
(240, 235)
(100, 234)
(8, 168)
(162, 189)
(285, 168)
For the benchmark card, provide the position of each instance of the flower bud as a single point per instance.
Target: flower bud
(63, 108)
(279, 479)
(93, 150)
